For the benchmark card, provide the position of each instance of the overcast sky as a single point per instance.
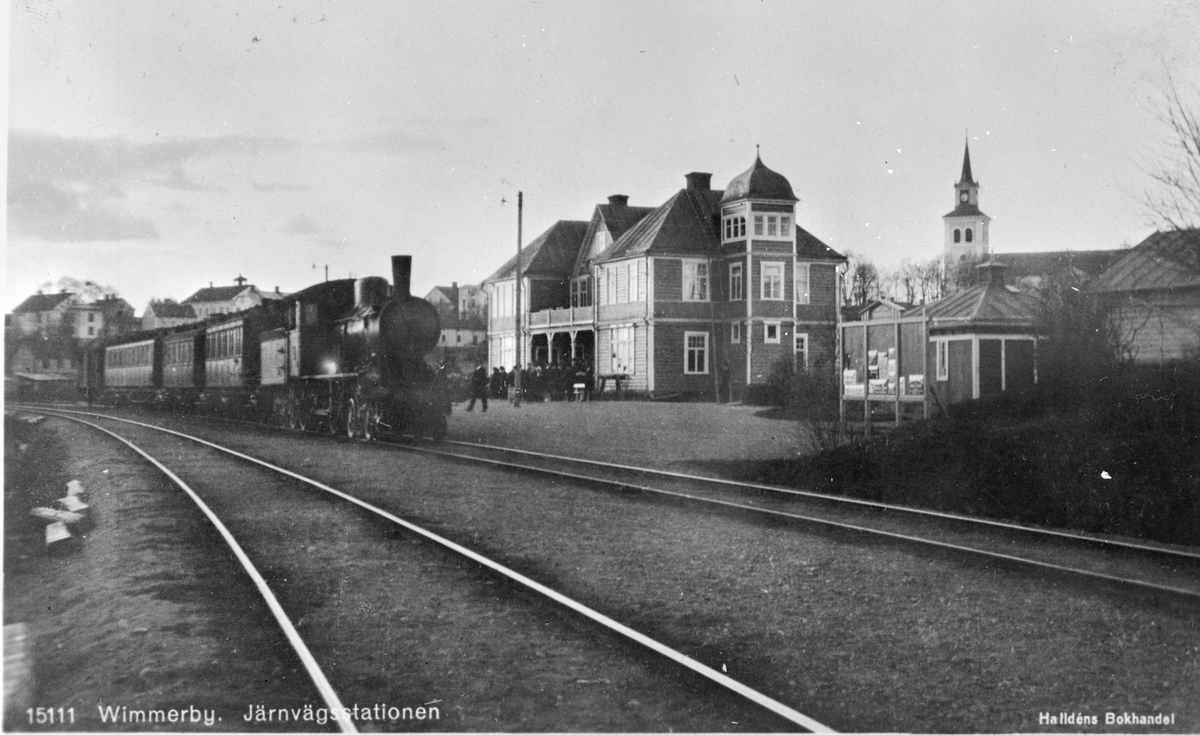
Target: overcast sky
(155, 146)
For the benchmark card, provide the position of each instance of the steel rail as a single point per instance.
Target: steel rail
(941, 515)
(1151, 586)
(704, 670)
(330, 697)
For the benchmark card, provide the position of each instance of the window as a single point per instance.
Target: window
(772, 281)
(458, 338)
(785, 226)
(957, 235)
(622, 350)
(943, 359)
(610, 280)
(758, 225)
(969, 234)
(771, 333)
(735, 333)
(91, 331)
(735, 228)
(507, 350)
(801, 279)
(632, 279)
(581, 291)
(695, 358)
(695, 280)
(736, 292)
(772, 227)
(91, 316)
(802, 350)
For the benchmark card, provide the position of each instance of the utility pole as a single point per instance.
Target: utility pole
(517, 306)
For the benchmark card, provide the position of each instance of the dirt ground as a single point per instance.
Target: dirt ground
(698, 437)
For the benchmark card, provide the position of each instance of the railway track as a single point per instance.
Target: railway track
(1149, 568)
(304, 534)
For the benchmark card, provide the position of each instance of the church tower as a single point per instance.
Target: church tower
(966, 226)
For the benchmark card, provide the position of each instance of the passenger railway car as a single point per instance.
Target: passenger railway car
(347, 356)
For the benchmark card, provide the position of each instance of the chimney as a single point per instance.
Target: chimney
(401, 276)
(699, 181)
(454, 285)
(277, 289)
(619, 200)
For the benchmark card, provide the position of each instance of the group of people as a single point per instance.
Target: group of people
(556, 381)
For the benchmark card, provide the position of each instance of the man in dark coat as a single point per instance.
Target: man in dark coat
(479, 387)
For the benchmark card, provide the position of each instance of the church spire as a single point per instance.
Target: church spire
(967, 178)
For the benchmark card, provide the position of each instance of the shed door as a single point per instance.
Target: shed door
(1018, 365)
(989, 367)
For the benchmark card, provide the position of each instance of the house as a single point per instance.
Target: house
(463, 340)
(1153, 292)
(229, 299)
(699, 296)
(158, 314)
(46, 332)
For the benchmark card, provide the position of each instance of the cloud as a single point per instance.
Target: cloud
(300, 224)
(392, 142)
(67, 189)
(268, 188)
(44, 211)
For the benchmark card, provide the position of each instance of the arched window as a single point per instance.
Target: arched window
(957, 235)
(970, 233)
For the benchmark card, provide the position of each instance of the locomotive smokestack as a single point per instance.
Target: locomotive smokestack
(401, 276)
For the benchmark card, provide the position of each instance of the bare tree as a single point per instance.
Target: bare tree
(862, 281)
(932, 280)
(1175, 201)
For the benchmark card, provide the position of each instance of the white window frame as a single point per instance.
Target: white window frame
(943, 358)
(767, 338)
(758, 225)
(735, 333)
(610, 285)
(737, 282)
(631, 293)
(805, 297)
(702, 350)
(800, 343)
(692, 277)
(776, 267)
(734, 227)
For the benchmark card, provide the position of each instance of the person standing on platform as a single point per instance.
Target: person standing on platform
(479, 387)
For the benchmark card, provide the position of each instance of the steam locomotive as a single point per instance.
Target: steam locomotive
(344, 356)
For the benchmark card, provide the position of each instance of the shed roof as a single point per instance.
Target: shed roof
(1089, 263)
(986, 305)
(1164, 260)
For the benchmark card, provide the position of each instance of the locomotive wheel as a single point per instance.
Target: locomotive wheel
(352, 419)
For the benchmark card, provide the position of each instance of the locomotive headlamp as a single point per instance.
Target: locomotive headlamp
(331, 367)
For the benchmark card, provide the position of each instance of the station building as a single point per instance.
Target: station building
(698, 297)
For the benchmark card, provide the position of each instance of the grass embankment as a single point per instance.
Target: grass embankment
(1126, 462)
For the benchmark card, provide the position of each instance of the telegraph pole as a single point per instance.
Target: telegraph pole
(517, 367)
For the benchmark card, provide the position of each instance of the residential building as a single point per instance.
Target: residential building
(229, 299)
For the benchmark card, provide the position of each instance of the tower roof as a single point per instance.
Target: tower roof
(759, 182)
(966, 171)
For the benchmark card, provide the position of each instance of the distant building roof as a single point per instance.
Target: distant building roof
(1165, 260)
(1088, 263)
(759, 182)
(218, 293)
(170, 310)
(551, 253)
(41, 302)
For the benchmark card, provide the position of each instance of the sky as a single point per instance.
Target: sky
(158, 146)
